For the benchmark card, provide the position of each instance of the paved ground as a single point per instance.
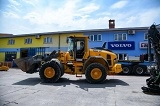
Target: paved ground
(20, 89)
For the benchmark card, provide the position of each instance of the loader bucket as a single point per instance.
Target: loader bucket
(24, 63)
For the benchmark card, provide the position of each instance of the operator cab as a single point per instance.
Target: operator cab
(76, 47)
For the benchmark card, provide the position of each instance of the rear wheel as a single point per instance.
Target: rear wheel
(95, 73)
(50, 72)
(139, 69)
(126, 70)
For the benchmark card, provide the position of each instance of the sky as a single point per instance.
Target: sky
(40, 16)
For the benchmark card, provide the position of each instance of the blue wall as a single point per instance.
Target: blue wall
(108, 36)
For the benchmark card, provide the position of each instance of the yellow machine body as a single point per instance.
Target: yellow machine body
(106, 58)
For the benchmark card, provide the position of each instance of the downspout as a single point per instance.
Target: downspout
(59, 43)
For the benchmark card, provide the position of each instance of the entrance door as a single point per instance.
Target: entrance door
(23, 52)
(29, 52)
(9, 56)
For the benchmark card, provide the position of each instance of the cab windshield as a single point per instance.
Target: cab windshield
(70, 44)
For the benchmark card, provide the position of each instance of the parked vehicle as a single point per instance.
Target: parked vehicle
(95, 63)
(4, 66)
(135, 65)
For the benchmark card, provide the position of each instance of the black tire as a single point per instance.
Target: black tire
(61, 67)
(139, 69)
(55, 67)
(89, 71)
(62, 73)
(126, 70)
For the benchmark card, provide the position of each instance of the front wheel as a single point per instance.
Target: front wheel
(95, 73)
(50, 72)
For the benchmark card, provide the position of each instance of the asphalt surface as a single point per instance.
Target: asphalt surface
(20, 89)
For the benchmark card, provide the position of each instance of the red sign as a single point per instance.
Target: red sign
(144, 45)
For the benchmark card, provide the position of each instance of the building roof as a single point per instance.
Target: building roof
(79, 31)
(5, 35)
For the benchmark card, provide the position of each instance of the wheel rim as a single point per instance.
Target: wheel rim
(139, 70)
(49, 72)
(125, 70)
(96, 73)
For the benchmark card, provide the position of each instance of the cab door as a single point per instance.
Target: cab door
(80, 47)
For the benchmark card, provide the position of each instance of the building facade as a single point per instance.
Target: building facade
(19, 46)
(123, 41)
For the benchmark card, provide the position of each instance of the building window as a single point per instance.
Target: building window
(96, 37)
(122, 56)
(28, 41)
(9, 56)
(120, 37)
(145, 36)
(11, 41)
(48, 40)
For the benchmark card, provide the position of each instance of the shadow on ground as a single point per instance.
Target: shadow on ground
(29, 81)
(80, 83)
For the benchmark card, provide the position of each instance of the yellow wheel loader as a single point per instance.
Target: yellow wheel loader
(95, 63)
